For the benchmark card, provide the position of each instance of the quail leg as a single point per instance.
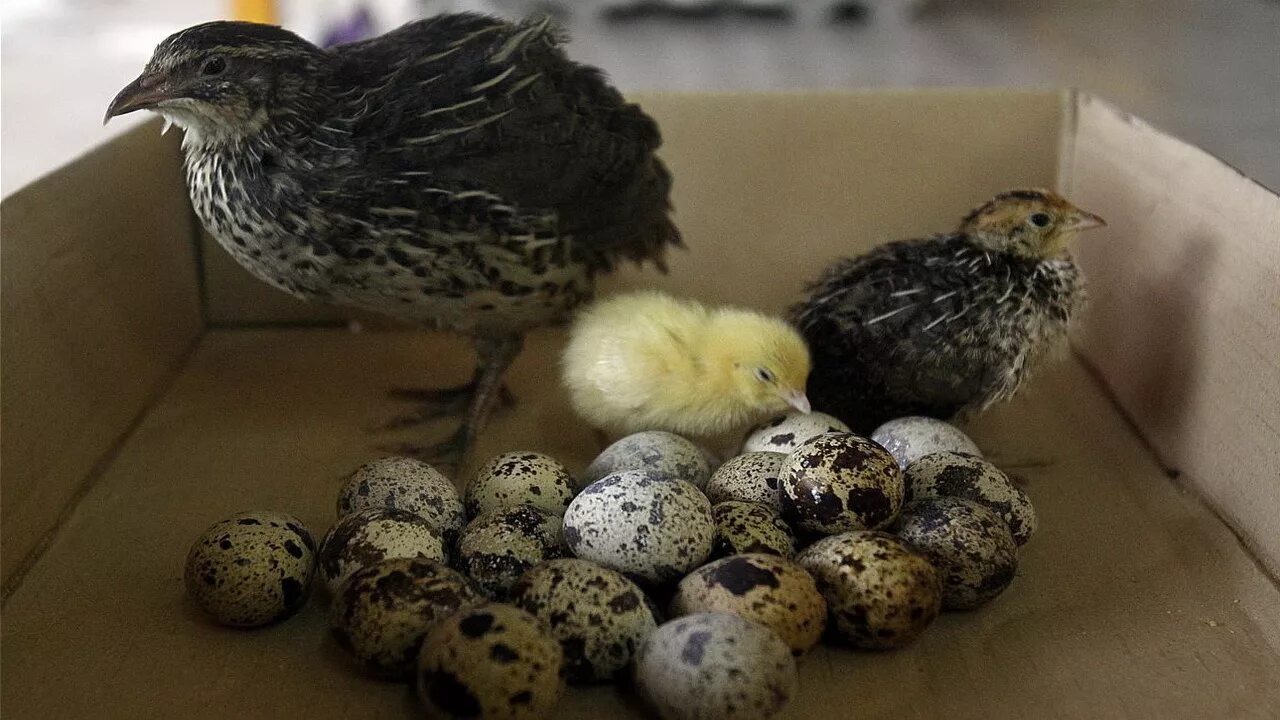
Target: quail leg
(435, 403)
(495, 356)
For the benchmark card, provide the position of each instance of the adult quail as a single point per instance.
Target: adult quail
(945, 325)
(459, 173)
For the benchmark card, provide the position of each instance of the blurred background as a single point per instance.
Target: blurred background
(1205, 70)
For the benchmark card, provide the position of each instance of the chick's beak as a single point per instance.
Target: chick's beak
(1082, 220)
(798, 400)
(145, 92)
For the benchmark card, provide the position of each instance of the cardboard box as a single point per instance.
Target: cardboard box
(150, 387)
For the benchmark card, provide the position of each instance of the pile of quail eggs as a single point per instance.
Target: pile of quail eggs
(700, 585)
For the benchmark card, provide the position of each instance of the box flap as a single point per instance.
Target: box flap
(1183, 324)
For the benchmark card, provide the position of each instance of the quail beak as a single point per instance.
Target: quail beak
(798, 400)
(141, 94)
(1082, 220)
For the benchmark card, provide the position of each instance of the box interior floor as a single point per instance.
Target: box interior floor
(186, 392)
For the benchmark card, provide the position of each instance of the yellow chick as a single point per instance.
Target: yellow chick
(648, 361)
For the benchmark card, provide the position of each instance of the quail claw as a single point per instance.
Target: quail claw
(168, 123)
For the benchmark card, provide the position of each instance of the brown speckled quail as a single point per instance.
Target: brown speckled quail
(459, 173)
(945, 325)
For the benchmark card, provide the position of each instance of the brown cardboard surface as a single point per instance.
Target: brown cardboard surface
(797, 178)
(1133, 601)
(100, 305)
(1185, 319)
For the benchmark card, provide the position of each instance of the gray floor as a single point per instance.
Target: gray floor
(1206, 70)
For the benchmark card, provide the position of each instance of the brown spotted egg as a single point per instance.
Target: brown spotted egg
(370, 536)
(638, 524)
(598, 616)
(773, 591)
(383, 611)
(752, 477)
(911, 438)
(840, 482)
(955, 474)
(404, 483)
(788, 432)
(491, 661)
(499, 546)
(880, 593)
(665, 454)
(715, 666)
(519, 478)
(747, 527)
(970, 546)
(251, 569)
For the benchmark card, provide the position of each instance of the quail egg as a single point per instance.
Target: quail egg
(767, 589)
(970, 546)
(840, 482)
(406, 484)
(370, 536)
(747, 527)
(955, 474)
(382, 612)
(490, 661)
(752, 477)
(911, 438)
(251, 569)
(668, 455)
(499, 546)
(788, 432)
(520, 478)
(880, 593)
(640, 525)
(715, 666)
(598, 615)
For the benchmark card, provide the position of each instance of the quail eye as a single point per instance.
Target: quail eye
(764, 375)
(1040, 220)
(213, 66)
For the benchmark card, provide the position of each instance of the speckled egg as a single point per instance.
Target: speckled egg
(747, 527)
(383, 611)
(668, 455)
(880, 593)
(955, 474)
(251, 569)
(368, 537)
(751, 477)
(911, 438)
(970, 546)
(491, 661)
(785, 433)
(840, 482)
(598, 616)
(767, 589)
(499, 546)
(520, 478)
(406, 484)
(715, 666)
(640, 525)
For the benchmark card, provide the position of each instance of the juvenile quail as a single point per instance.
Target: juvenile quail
(945, 325)
(459, 173)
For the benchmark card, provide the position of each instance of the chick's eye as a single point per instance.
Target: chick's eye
(1040, 220)
(213, 66)
(764, 375)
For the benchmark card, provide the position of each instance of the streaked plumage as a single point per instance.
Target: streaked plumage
(945, 325)
(648, 361)
(459, 173)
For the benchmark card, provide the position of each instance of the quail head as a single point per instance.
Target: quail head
(459, 173)
(945, 325)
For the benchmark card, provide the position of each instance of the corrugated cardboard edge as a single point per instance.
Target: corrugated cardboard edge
(101, 310)
(1178, 326)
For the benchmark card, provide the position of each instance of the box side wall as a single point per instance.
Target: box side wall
(1184, 322)
(801, 178)
(100, 305)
